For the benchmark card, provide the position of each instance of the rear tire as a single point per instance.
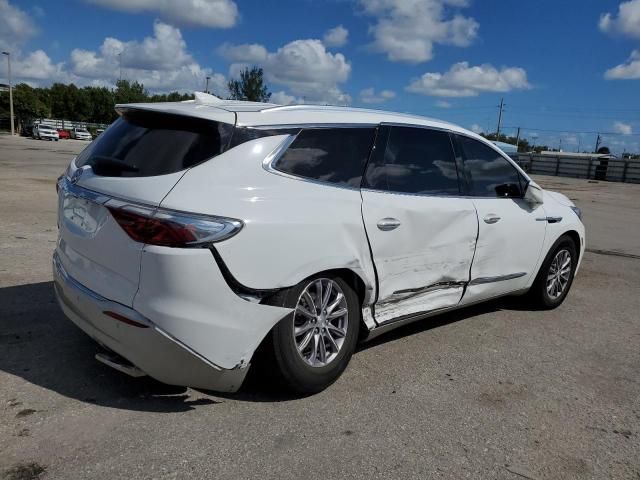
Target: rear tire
(312, 346)
(555, 277)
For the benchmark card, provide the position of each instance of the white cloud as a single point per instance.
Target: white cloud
(38, 66)
(304, 67)
(161, 63)
(461, 80)
(443, 104)
(283, 98)
(246, 53)
(476, 128)
(369, 95)
(336, 37)
(166, 50)
(622, 128)
(406, 30)
(627, 22)
(16, 27)
(203, 13)
(630, 70)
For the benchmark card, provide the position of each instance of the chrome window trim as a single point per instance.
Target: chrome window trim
(433, 195)
(412, 125)
(300, 126)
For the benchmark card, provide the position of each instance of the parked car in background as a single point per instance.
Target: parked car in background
(191, 233)
(26, 131)
(64, 133)
(80, 133)
(45, 132)
(98, 132)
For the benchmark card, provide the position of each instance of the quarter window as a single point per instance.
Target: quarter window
(416, 160)
(487, 172)
(333, 155)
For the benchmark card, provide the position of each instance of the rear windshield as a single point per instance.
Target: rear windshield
(144, 144)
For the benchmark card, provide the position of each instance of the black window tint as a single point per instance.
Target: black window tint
(246, 134)
(488, 173)
(416, 160)
(335, 155)
(143, 144)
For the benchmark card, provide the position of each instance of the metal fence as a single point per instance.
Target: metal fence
(67, 124)
(597, 168)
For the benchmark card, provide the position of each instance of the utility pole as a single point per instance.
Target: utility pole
(598, 140)
(517, 139)
(499, 119)
(10, 91)
(206, 88)
(120, 64)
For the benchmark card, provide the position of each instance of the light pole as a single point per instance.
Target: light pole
(206, 88)
(10, 91)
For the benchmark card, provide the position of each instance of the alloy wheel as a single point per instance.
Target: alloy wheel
(320, 322)
(559, 274)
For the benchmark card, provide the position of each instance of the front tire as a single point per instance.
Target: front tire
(312, 346)
(555, 277)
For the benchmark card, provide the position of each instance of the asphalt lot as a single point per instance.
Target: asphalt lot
(493, 392)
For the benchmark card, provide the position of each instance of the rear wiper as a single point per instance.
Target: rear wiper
(102, 164)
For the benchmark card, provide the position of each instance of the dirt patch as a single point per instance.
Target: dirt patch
(24, 471)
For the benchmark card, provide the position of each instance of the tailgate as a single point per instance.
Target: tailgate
(136, 161)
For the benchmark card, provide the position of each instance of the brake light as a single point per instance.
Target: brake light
(172, 229)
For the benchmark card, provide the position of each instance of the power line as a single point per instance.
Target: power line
(576, 131)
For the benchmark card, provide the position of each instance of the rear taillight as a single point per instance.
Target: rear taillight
(171, 229)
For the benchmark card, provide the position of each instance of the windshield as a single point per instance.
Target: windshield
(143, 144)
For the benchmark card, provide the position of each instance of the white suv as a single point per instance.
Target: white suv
(45, 132)
(192, 233)
(80, 133)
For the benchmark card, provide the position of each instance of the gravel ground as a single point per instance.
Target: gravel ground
(494, 391)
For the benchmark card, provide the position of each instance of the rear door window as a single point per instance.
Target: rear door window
(417, 161)
(332, 155)
(144, 144)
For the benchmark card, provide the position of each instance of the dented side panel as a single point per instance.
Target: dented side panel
(293, 228)
(424, 263)
(508, 249)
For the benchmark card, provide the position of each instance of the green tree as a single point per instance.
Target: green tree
(127, 92)
(28, 104)
(249, 87)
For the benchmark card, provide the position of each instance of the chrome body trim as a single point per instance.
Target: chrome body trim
(64, 183)
(549, 219)
(501, 278)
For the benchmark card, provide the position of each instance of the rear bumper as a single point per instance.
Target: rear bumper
(152, 349)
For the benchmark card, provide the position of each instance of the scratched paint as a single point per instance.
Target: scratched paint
(434, 244)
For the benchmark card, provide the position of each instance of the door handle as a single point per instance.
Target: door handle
(491, 219)
(387, 224)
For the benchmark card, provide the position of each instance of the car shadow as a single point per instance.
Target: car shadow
(40, 345)
(43, 347)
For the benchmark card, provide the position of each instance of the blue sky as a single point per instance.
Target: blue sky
(566, 69)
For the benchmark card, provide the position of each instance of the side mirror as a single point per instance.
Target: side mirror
(533, 194)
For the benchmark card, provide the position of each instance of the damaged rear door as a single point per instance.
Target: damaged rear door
(421, 231)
